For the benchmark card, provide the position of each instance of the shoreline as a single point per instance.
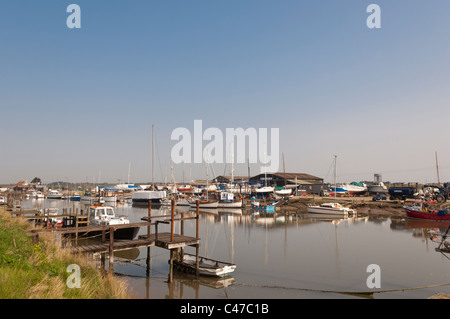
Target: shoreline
(364, 205)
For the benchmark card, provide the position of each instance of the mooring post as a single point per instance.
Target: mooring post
(149, 218)
(171, 266)
(148, 260)
(181, 256)
(172, 221)
(197, 247)
(111, 249)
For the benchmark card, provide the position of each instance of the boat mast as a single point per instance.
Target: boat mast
(335, 186)
(284, 171)
(153, 157)
(129, 169)
(437, 169)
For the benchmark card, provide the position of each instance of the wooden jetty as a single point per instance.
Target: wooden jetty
(167, 240)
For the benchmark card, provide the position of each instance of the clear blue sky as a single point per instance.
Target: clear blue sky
(79, 103)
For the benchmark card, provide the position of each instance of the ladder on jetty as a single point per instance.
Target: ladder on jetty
(167, 240)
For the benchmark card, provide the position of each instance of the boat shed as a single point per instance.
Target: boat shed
(280, 179)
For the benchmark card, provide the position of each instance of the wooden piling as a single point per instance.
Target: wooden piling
(172, 220)
(111, 250)
(197, 247)
(149, 218)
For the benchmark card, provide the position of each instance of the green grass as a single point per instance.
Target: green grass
(40, 270)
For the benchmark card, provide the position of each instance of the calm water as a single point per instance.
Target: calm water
(289, 256)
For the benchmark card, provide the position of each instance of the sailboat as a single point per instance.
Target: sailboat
(204, 202)
(155, 197)
(333, 208)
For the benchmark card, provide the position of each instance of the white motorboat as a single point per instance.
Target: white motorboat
(54, 194)
(143, 197)
(330, 209)
(333, 208)
(105, 215)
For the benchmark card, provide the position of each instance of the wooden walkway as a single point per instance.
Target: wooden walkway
(167, 240)
(163, 241)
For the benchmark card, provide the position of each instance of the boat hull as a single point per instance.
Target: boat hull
(376, 189)
(328, 210)
(263, 209)
(438, 216)
(205, 204)
(209, 267)
(230, 204)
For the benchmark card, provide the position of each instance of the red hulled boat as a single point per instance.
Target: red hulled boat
(426, 211)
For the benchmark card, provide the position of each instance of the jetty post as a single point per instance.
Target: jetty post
(197, 247)
(149, 257)
(172, 251)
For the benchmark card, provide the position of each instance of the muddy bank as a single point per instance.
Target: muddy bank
(364, 205)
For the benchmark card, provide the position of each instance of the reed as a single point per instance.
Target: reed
(39, 271)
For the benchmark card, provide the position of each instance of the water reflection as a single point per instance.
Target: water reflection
(307, 253)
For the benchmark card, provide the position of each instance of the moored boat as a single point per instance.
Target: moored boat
(203, 203)
(259, 208)
(227, 200)
(105, 215)
(75, 197)
(143, 197)
(331, 209)
(54, 194)
(209, 267)
(425, 210)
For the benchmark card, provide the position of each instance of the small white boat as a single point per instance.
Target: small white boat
(209, 267)
(331, 209)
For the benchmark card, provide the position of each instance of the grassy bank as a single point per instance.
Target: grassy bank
(40, 270)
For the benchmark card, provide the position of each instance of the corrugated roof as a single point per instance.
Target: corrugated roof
(302, 176)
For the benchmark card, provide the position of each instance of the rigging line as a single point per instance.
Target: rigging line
(331, 165)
